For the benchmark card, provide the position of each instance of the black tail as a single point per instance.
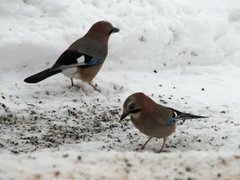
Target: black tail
(41, 75)
(183, 116)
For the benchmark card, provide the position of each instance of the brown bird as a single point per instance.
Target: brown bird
(151, 118)
(92, 48)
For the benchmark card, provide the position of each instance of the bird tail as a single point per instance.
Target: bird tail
(42, 75)
(183, 116)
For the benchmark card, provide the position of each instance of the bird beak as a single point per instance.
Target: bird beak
(123, 116)
(115, 30)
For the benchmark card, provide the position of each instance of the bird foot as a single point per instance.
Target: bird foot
(94, 87)
(142, 147)
(74, 86)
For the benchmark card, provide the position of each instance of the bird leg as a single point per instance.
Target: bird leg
(94, 87)
(143, 146)
(72, 82)
(164, 141)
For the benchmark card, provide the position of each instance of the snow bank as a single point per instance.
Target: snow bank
(113, 165)
(161, 33)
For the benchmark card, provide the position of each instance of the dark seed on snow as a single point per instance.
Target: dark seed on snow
(14, 151)
(188, 169)
(57, 173)
(79, 158)
(65, 155)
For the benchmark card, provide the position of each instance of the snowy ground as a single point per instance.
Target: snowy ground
(182, 54)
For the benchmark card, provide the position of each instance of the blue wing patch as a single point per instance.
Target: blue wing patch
(170, 122)
(94, 61)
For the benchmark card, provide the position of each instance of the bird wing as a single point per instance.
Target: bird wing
(169, 116)
(71, 58)
(165, 116)
(177, 115)
(182, 115)
(170, 122)
(68, 59)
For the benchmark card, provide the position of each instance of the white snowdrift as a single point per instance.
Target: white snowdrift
(113, 165)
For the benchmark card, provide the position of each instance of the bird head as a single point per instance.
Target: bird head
(133, 105)
(103, 28)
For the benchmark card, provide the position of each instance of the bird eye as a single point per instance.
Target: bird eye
(131, 106)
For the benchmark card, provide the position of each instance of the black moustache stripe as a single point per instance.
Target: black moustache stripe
(135, 111)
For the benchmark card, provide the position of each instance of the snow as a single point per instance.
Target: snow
(127, 165)
(184, 54)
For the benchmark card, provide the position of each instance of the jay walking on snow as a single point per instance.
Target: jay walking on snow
(92, 47)
(151, 118)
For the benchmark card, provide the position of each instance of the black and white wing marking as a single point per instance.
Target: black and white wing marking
(71, 59)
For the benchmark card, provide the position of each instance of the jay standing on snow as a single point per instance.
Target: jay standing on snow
(92, 47)
(151, 118)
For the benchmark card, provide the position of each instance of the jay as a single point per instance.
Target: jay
(92, 49)
(152, 119)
